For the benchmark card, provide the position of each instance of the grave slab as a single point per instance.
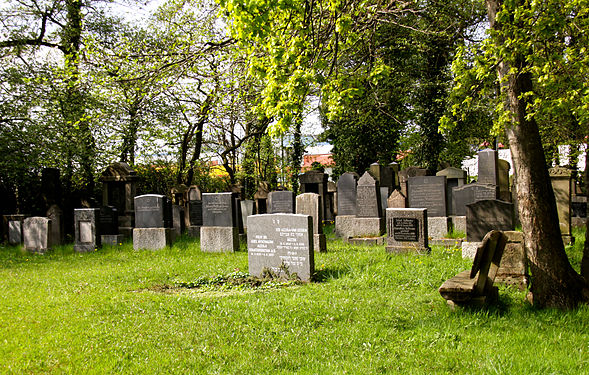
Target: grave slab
(407, 230)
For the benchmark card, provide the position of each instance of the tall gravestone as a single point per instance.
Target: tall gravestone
(37, 234)
(331, 199)
(194, 197)
(219, 232)
(281, 244)
(409, 172)
(561, 185)
(87, 229)
(346, 194)
(455, 177)
(368, 221)
(153, 222)
(119, 182)
(503, 168)
(430, 192)
(471, 193)
(248, 208)
(178, 222)
(55, 214)
(13, 227)
(488, 165)
(310, 204)
(316, 182)
(407, 230)
(368, 197)
(261, 198)
(109, 226)
(487, 215)
(384, 177)
(281, 202)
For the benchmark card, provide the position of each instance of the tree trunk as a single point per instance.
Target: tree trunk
(554, 283)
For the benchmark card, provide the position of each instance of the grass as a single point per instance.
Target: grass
(122, 311)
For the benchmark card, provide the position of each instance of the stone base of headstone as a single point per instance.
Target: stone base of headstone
(447, 243)
(469, 249)
(219, 239)
(438, 227)
(112, 239)
(366, 241)
(352, 226)
(409, 248)
(319, 243)
(152, 238)
(459, 223)
(193, 231)
(578, 222)
(512, 269)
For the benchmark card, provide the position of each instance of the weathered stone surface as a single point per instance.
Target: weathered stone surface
(366, 241)
(352, 226)
(153, 211)
(469, 249)
(346, 194)
(248, 208)
(459, 223)
(488, 167)
(109, 220)
(37, 234)
(485, 216)
(455, 177)
(13, 227)
(407, 230)
(438, 227)
(561, 185)
(178, 223)
(152, 238)
(397, 200)
(513, 268)
(193, 231)
(428, 192)
(219, 239)
(471, 193)
(448, 243)
(310, 204)
(316, 182)
(503, 168)
(319, 243)
(368, 197)
(281, 243)
(218, 210)
(86, 228)
(112, 239)
(55, 214)
(281, 202)
(409, 172)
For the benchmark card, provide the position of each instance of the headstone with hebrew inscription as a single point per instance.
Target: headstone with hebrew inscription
(488, 166)
(281, 244)
(220, 232)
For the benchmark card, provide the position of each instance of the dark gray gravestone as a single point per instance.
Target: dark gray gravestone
(237, 212)
(281, 202)
(153, 211)
(368, 197)
(471, 193)
(428, 192)
(455, 177)
(282, 244)
(195, 212)
(218, 210)
(484, 216)
(409, 172)
(109, 221)
(55, 214)
(384, 196)
(178, 219)
(488, 167)
(346, 194)
(407, 230)
(86, 228)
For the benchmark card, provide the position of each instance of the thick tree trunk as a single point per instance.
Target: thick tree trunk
(554, 283)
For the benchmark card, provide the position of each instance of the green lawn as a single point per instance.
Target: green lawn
(115, 310)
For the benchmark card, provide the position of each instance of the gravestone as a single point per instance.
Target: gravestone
(331, 199)
(368, 197)
(178, 219)
(153, 221)
(485, 216)
(86, 229)
(237, 212)
(384, 175)
(310, 204)
(315, 182)
(407, 230)
(37, 234)
(394, 167)
(248, 208)
(119, 183)
(108, 227)
(397, 200)
(488, 167)
(219, 232)
(55, 214)
(503, 168)
(281, 244)
(428, 192)
(513, 267)
(471, 193)
(281, 202)
(455, 177)
(194, 213)
(409, 172)
(261, 198)
(346, 194)
(13, 227)
(561, 185)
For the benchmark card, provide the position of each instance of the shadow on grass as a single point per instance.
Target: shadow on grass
(330, 273)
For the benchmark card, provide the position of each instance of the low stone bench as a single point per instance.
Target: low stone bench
(475, 286)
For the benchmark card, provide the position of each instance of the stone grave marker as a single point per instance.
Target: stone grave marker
(219, 232)
(261, 198)
(428, 192)
(248, 208)
(86, 229)
(455, 177)
(316, 182)
(488, 215)
(108, 227)
(471, 193)
(282, 244)
(153, 221)
(407, 230)
(346, 194)
(55, 214)
(13, 225)
(281, 202)
(178, 219)
(488, 167)
(368, 197)
(561, 185)
(397, 200)
(119, 188)
(310, 204)
(503, 168)
(37, 234)
(409, 172)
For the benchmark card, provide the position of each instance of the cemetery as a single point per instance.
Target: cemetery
(230, 187)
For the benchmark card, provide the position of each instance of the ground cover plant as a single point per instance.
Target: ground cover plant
(171, 311)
